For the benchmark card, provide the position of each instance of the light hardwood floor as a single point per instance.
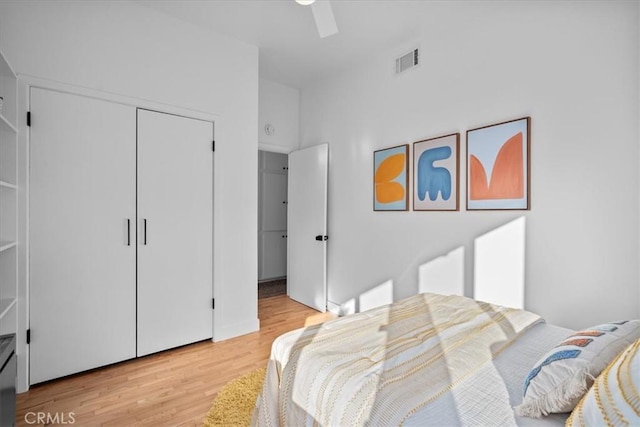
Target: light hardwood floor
(172, 388)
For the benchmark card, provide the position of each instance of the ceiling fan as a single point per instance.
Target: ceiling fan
(323, 15)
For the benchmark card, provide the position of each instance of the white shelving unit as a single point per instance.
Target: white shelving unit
(8, 199)
(272, 215)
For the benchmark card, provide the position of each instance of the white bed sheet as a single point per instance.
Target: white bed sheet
(507, 372)
(480, 391)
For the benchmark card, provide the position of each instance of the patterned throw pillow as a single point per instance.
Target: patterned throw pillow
(563, 376)
(613, 400)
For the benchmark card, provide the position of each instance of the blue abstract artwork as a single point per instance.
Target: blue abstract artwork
(436, 173)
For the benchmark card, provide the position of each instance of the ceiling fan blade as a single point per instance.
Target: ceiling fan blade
(325, 21)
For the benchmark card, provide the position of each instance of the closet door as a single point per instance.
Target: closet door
(82, 234)
(175, 243)
(274, 254)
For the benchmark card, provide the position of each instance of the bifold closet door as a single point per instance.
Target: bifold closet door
(175, 239)
(82, 234)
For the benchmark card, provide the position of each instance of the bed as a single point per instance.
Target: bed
(427, 360)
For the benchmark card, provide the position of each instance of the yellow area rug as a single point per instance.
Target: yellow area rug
(233, 406)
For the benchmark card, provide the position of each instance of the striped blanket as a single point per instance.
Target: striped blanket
(382, 366)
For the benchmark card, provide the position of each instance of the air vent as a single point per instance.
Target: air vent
(407, 61)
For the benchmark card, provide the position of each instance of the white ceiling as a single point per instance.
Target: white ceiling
(291, 52)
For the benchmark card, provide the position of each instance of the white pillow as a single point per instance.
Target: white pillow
(563, 375)
(614, 398)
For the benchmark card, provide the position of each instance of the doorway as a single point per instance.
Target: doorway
(273, 174)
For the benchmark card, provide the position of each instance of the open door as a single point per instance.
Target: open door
(307, 226)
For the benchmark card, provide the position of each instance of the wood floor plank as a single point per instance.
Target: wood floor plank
(172, 388)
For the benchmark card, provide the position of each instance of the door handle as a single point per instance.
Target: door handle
(144, 231)
(321, 238)
(128, 232)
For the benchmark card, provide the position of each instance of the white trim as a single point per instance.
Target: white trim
(334, 308)
(274, 148)
(33, 81)
(235, 330)
(22, 349)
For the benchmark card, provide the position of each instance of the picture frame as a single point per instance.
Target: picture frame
(391, 179)
(436, 174)
(499, 165)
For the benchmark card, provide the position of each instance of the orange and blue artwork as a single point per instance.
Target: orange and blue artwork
(391, 179)
(435, 174)
(498, 166)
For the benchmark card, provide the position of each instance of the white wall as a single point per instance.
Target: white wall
(127, 49)
(572, 67)
(278, 106)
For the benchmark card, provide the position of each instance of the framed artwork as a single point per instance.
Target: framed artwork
(436, 174)
(391, 179)
(498, 166)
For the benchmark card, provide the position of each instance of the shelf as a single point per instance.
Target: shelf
(9, 203)
(6, 244)
(5, 123)
(5, 68)
(5, 306)
(8, 89)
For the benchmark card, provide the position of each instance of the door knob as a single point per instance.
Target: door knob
(321, 238)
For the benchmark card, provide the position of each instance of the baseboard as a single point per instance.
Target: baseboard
(334, 308)
(341, 309)
(275, 279)
(235, 330)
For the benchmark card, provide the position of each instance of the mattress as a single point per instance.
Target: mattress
(427, 360)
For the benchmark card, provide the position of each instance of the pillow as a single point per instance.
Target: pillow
(562, 376)
(613, 399)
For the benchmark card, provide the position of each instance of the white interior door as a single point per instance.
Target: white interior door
(175, 239)
(82, 257)
(307, 226)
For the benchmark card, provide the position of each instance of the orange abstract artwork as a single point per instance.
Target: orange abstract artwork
(388, 191)
(390, 179)
(498, 164)
(507, 179)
